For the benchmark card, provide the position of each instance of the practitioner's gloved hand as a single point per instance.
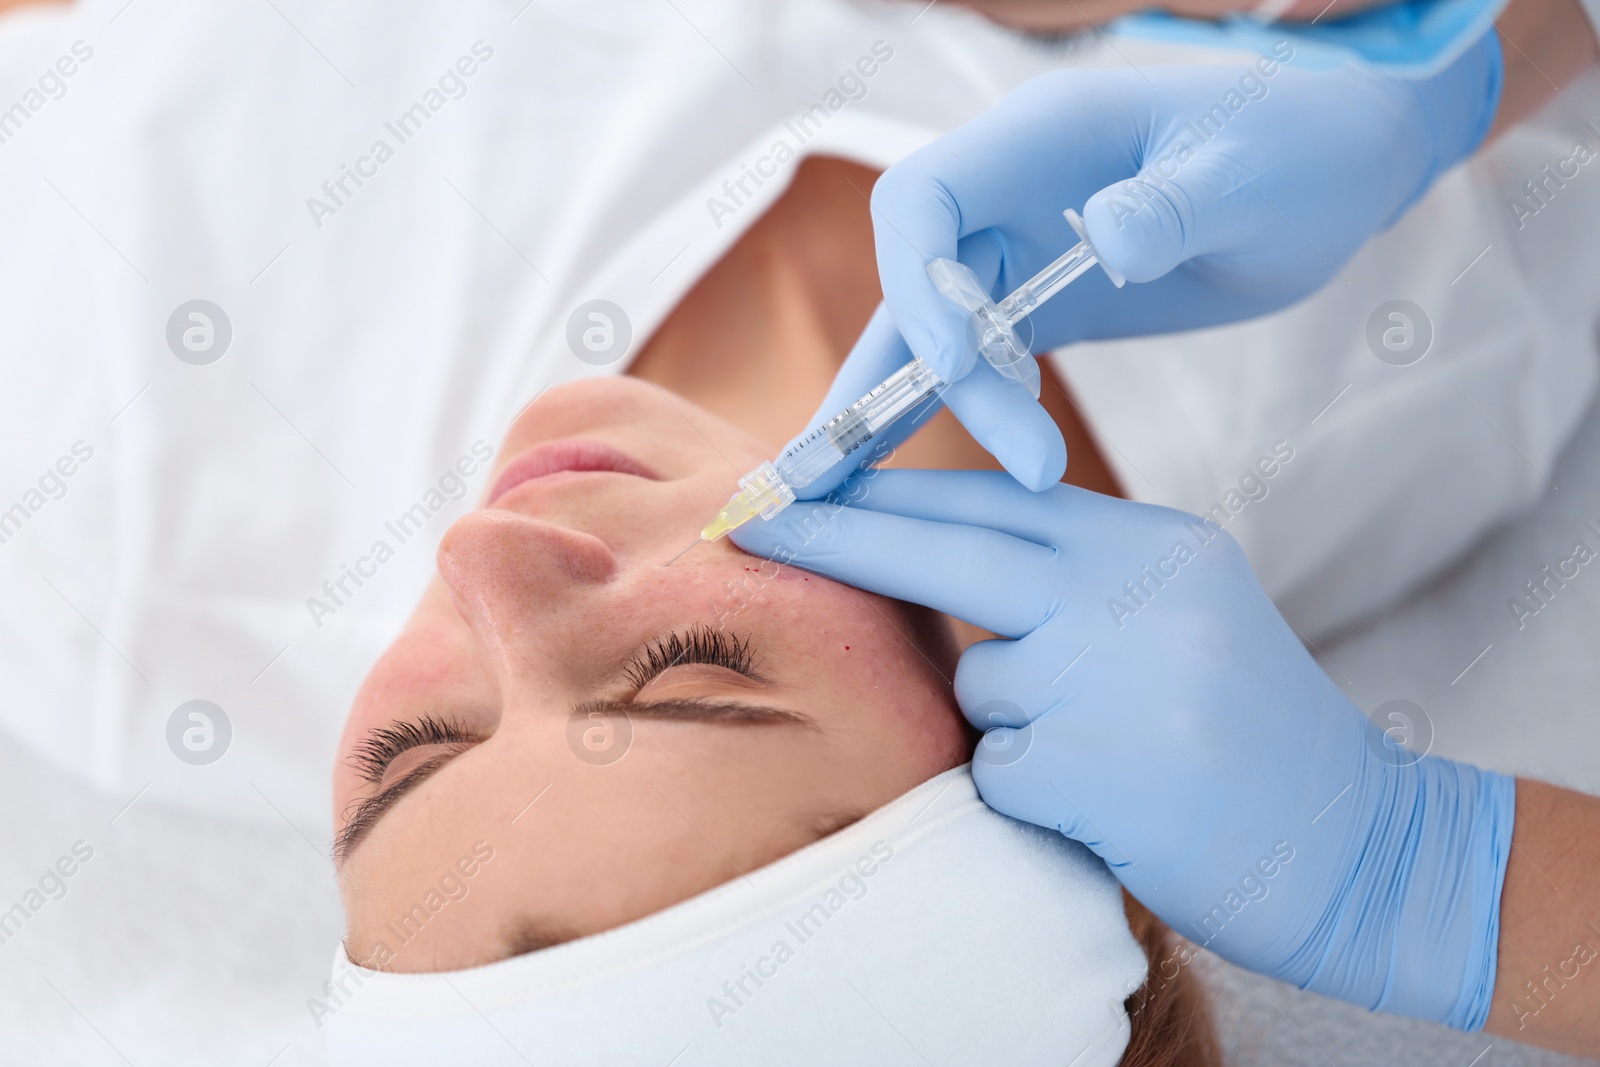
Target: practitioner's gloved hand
(1223, 191)
(999, 413)
(1153, 704)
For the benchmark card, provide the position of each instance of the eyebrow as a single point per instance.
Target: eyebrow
(370, 809)
(528, 935)
(698, 709)
(734, 713)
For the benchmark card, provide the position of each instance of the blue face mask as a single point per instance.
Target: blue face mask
(1413, 38)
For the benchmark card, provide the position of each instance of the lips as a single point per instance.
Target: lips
(570, 456)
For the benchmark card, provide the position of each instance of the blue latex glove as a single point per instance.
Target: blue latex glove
(997, 412)
(1155, 706)
(1293, 172)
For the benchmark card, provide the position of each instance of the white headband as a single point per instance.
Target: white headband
(935, 927)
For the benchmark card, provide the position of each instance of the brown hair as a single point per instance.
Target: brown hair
(1169, 1016)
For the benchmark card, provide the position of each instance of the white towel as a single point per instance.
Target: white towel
(934, 930)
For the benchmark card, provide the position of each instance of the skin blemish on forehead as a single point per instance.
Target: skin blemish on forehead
(781, 574)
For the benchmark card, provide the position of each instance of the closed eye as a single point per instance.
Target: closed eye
(372, 757)
(699, 644)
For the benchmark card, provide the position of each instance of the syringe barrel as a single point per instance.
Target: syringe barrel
(821, 450)
(1048, 282)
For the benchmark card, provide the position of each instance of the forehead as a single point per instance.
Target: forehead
(782, 610)
(719, 582)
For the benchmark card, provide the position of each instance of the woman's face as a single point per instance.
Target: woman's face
(613, 733)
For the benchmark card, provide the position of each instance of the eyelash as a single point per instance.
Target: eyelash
(701, 644)
(372, 757)
(383, 745)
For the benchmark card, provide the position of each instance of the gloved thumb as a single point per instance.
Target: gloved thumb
(1148, 225)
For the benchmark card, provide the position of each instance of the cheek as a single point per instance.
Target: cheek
(427, 658)
(429, 667)
(934, 732)
(889, 671)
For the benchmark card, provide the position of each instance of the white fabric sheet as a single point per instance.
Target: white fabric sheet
(907, 935)
(371, 352)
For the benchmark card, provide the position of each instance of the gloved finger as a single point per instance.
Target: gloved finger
(1001, 415)
(1017, 776)
(1148, 225)
(1013, 683)
(1046, 148)
(877, 353)
(977, 574)
(915, 220)
(1011, 425)
(939, 204)
(975, 498)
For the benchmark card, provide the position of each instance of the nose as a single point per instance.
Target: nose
(515, 579)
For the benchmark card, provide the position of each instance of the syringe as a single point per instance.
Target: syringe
(771, 487)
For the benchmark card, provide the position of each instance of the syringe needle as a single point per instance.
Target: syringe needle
(685, 552)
